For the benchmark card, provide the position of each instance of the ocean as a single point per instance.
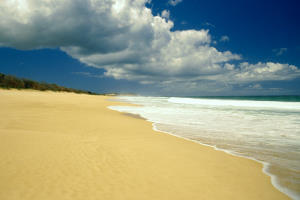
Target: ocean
(266, 129)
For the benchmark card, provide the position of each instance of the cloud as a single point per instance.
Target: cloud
(280, 51)
(183, 22)
(88, 74)
(208, 24)
(224, 38)
(129, 42)
(174, 2)
(255, 86)
(165, 14)
(265, 72)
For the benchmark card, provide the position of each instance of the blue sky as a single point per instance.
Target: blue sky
(186, 47)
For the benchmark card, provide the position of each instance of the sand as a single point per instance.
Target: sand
(71, 146)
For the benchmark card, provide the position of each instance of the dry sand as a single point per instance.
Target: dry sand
(70, 146)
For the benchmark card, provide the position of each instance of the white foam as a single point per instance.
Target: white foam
(257, 130)
(265, 169)
(237, 103)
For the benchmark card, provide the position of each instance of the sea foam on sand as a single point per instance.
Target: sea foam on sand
(266, 131)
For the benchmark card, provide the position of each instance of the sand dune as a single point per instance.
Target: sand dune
(70, 146)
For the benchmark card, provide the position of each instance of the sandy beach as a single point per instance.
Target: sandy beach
(71, 146)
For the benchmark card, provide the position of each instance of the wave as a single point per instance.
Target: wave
(267, 131)
(236, 103)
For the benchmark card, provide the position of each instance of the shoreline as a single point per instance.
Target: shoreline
(265, 165)
(67, 146)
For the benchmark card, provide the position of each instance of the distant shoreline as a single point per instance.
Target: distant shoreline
(12, 82)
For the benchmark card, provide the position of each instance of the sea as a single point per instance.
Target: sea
(262, 128)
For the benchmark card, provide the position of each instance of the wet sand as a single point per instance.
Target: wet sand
(71, 146)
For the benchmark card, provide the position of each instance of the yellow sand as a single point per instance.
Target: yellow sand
(69, 146)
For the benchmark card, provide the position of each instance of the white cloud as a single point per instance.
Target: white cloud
(208, 24)
(183, 22)
(224, 38)
(174, 2)
(229, 67)
(165, 14)
(256, 86)
(265, 71)
(280, 51)
(124, 38)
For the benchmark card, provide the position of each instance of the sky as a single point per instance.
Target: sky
(158, 47)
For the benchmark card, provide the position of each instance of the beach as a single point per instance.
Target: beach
(265, 128)
(71, 146)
